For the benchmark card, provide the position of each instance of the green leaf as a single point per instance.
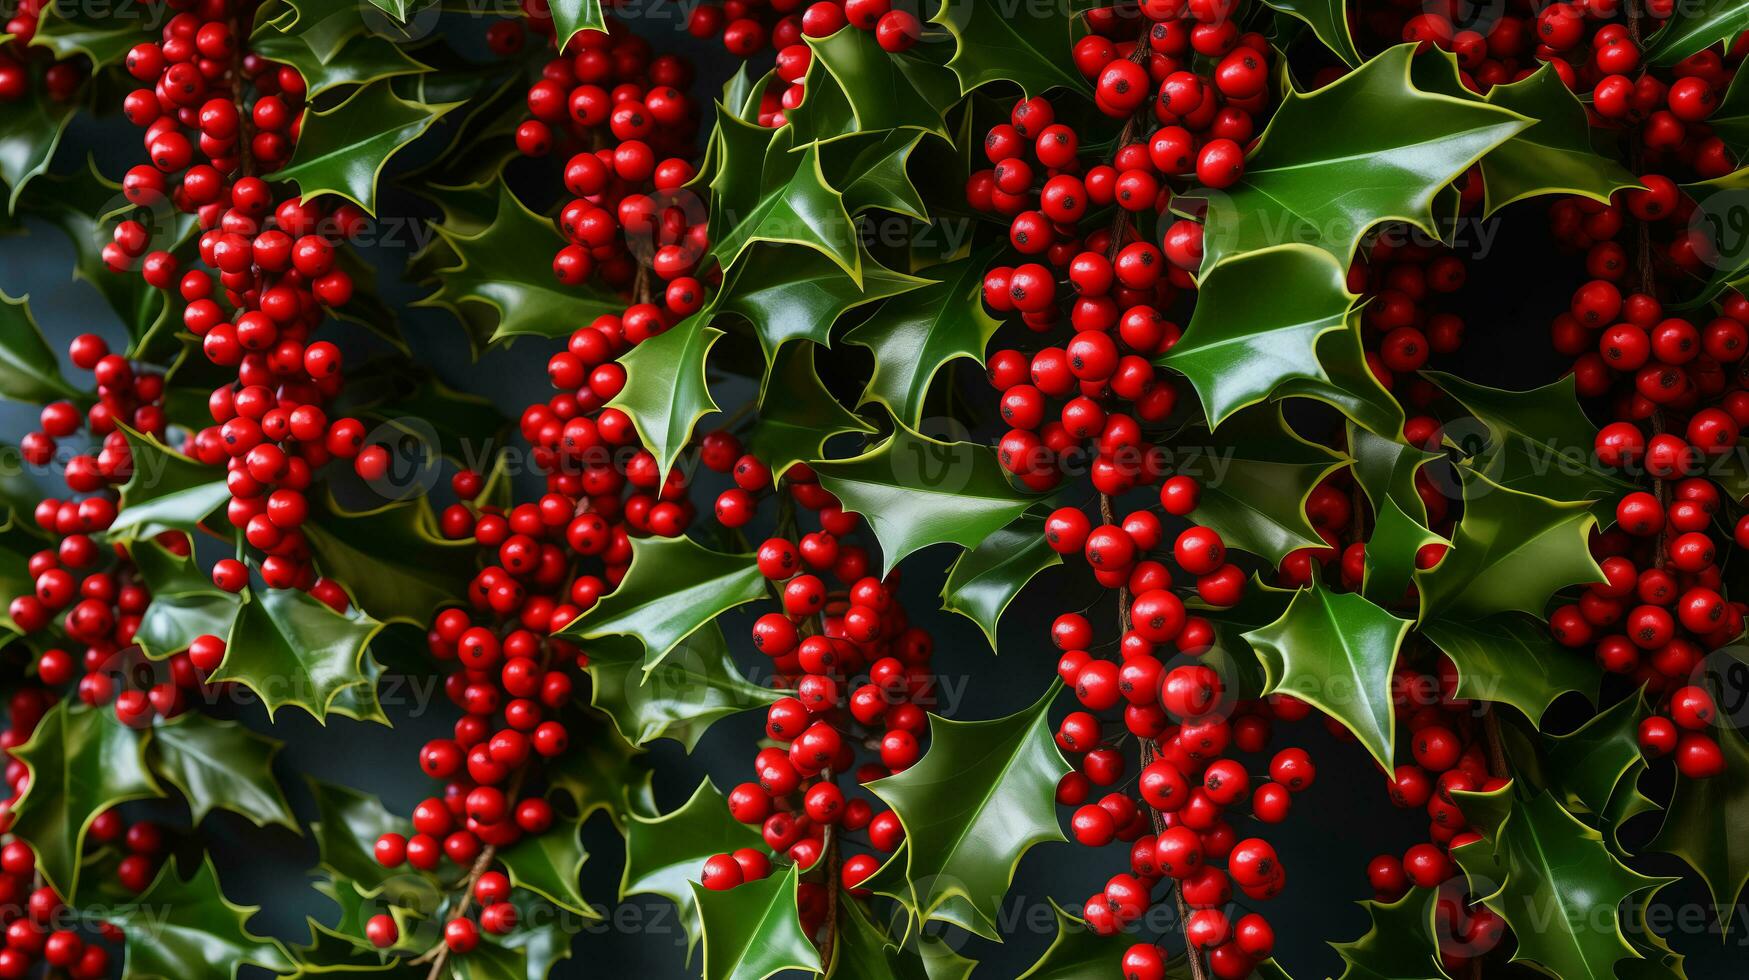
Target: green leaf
(1537, 442)
(869, 90)
(167, 491)
(602, 771)
(666, 390)
(81, 763)
(346, 830)
(1730, 121)
(915, 491)
(797, 415)
(993, 44)
(694, 686)
(1707, 823)
(72, 29)
(28, 369)
(665, 854)
(549, 864)
(1244, 343)
(787, 292)
(1385, 470)
(462, 427)
(1511, 552)
(1511, 658)
(1077, 952)
(1299, 182)
(220, 765)
(189, 930)
(979, 799)
(1694, 27)
(329, 44)
(986, 579)
(501, 271)
(1558, 875)
(754, 930)
(77, 203)
(1589, 763)
(1721, 204)
(1336, 652)
(1256, 475)
(871, 169)
(291, 649)
(1401, 945)
(792, 203)
(674, 587)
(1328, 19)
(1554, 156)
(572, 17)
(30, 129)
(916, 334)
(343, 150)
(185, 602)
(862, 950)
(393, 559)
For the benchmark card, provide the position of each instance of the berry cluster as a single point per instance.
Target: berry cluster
(60, 78)
(856, 671)
(748, 28)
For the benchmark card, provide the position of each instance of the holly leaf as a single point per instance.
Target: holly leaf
(855, 86)
(500, 274)
(1707, 824)
(1385, 470)
(78, 204)
(666, 390)
(572, 17)
(343, 150)
(30, 130)
(862, 950)
(347, 826)
(1536, 442)
(1077, 952)
(1401, 945)
(550, 864)
(393, 559)
(787, 292)
(167, 491)
(602, 772)
(185, 603)
(70, 29)
(1694, 27)
(188, 930)
(218, 765)
(915, 491)
(81, 763)
(992, 44)
(1243, 346)
(1589, 763)
(1730, 121)
(1512, 659)
(792, 202)
(797, 415)
(979, 799)
(1299, 181)
(1328, 20)
(754, 930)
(665, 854)
(915, 335)
(1256, 474)
(1511, 552)
(1553, 156)
(291, 649)
(871, 169)
(28, 369)
(985, 580)
(681, 697)
(1336, 651)
(673, 588)
(1558, 874)
(330, 45)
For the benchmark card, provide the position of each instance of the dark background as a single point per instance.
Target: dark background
(1335, 827)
